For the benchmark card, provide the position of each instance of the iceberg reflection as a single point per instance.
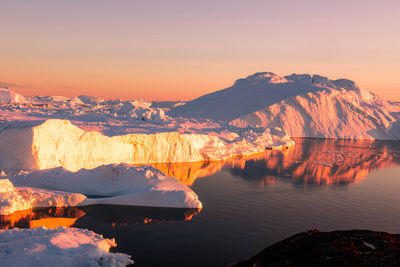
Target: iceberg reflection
(320, 162)
(85, 216)
(311, 161)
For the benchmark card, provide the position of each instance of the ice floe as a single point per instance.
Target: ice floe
(58, 247)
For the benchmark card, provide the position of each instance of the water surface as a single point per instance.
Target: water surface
(250, 203)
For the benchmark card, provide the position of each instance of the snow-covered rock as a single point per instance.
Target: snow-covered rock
(10, 97)
(57, 143)
(58, 247)
(114, 184)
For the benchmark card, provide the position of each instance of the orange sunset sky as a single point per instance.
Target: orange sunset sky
(182, 49)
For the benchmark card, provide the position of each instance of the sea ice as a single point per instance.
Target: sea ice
(114, 184)
(58, 247)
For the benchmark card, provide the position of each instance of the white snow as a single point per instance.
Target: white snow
(113, 184)
(58, 247)
(331, 113)
(301, 105)
(245, 96)
(109, 184)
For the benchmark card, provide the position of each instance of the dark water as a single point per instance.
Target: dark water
(250, 204)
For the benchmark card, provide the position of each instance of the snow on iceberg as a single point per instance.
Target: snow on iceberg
(58, 247)
(251, 94)
(54, 143)
(331, 113)
(301, 105)
(114, 184)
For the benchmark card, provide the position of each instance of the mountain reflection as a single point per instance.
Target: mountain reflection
(311, 161)
(84, 216)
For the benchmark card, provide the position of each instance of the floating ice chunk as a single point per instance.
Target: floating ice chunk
(115, 184)
(13, 199)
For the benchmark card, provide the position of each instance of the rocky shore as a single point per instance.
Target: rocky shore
(337, 248)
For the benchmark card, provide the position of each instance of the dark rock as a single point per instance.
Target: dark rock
(338, 248)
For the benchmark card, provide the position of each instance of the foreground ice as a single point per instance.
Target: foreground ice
(58, 247)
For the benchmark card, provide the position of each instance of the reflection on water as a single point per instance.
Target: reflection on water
(339, 162)
(240, 217)
(311, 161)
(109, 214)
(49, 217)
(125, 215)
(188, 172)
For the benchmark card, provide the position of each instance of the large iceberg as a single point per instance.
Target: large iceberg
(58, 247)
(57, 143)
(301, 105)
(245, 96)
(330, 113)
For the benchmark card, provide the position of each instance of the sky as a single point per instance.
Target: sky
(179, 50)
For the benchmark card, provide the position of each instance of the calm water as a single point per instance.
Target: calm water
(251, 203)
